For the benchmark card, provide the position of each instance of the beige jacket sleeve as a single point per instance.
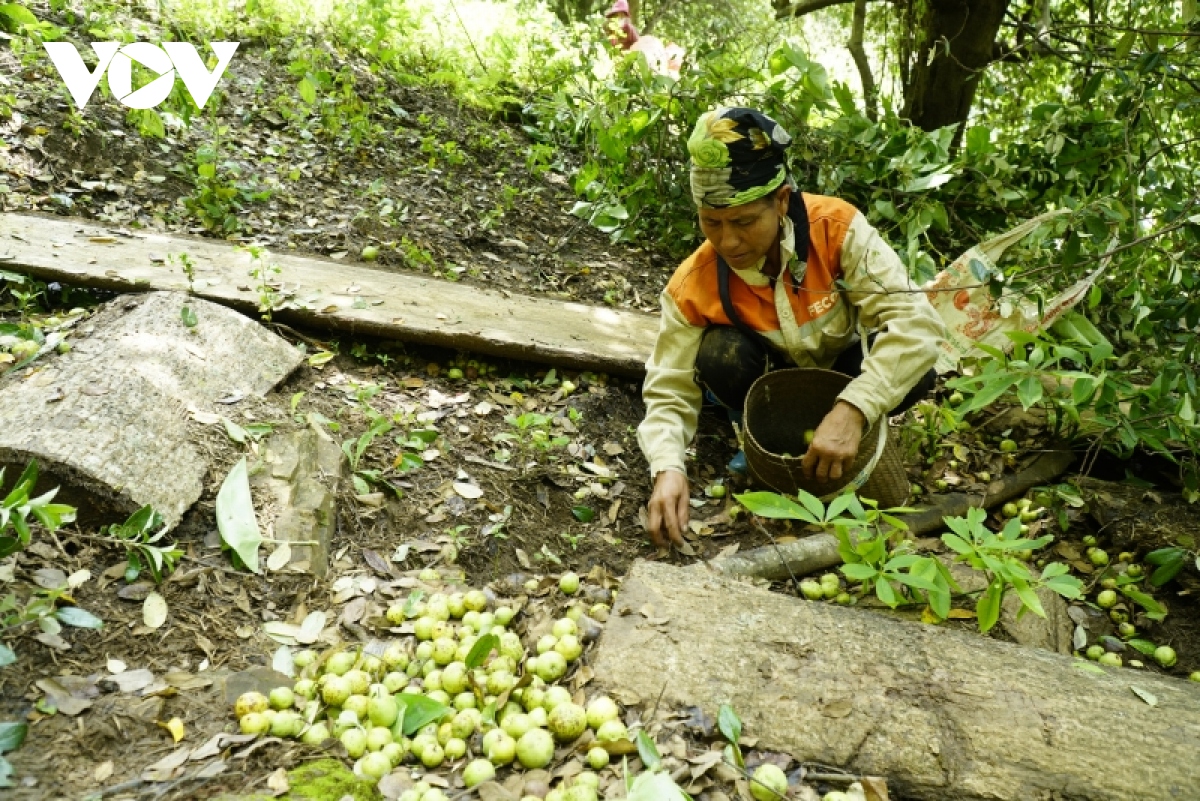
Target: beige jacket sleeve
(670, 392)
(909, 327)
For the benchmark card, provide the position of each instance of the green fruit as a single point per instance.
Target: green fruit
(811, 590)
(1106, 599)
(1165, 656)
(383, 710)
(769, 783)
(600, 710)
(250, 702)
(579, 792)
(503, 615)
(503, 750)
(253, 723)
(1089, 540)
(1099, 557)
(1108, 583)
(378, 737)
(554, 697)
(567, 721)
(715, 490)
(1110, 659)
(455, 748)
(433, 755)
(1094, 652)
(370, 253)
(569, 647)
(611, 732)
(1007, 446)
(341, 662)
(302, 659)
(355, 741)
(551, 666)
(597, 758)
(375, 766)
(357, 704)
(1194, 676)
(568, 387)
(535, 749)
(1010, 510)
(477, 772)
(1134, 571)
(569, 583)
(1127, 630)
(956, 398)
(286, 724)
(315, 734)
(454, 374)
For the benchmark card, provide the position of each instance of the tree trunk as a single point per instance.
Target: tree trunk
(941, 85)
(945, 715)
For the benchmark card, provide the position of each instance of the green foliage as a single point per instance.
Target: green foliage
(1168, 562)
(896, 575)
(997, 557)
(18, 507)
(141, 535)
(218, 195)
(731, 728)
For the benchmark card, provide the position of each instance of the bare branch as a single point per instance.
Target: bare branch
(859, 54)
(798, 9)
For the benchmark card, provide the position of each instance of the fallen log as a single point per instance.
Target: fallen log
(819, 552)
(945, 715)
(332, 295)
(108, 421)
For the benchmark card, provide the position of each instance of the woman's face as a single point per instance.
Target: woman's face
(743, 235)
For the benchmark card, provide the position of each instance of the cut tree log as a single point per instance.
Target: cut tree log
(331, 295)
(819, 552)
(944, 715)
(108, 420)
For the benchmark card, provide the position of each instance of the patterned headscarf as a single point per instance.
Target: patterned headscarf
(737, 157)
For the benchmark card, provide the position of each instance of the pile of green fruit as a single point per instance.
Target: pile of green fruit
(463, 685)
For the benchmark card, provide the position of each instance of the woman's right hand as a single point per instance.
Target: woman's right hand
(668, 510)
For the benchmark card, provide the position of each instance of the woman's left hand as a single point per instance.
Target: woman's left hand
(835, 444)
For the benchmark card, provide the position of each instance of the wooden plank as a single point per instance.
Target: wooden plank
(347, 298)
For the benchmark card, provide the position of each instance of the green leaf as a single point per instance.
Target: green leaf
(648, 751)
(812, 504)
(12, 735)
(235, 516)
(1154, 610)
(408, 461)
(654, 786)
(957, 543)
(1029, 598)
(235, 432)
(1125, 45)
(729, 724)
(17, 15)
(79, 618)
(419, 710)
(839, 505)
(584, 514)
(6, 773)
(987, 610)
(7, 655)
(308, 91)
(188, 315)
(859, 572)
(885, 593)
(1144, 646)
(774, 505)
(480, 650)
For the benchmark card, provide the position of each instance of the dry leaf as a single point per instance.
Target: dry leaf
(103, 772)
(131, 681)
(154, 610)
(116, 666)
(175, 726)
(278, 782)
(166, 768)
(279, 557)
(469, 491)
(311, 628)
(875, 788)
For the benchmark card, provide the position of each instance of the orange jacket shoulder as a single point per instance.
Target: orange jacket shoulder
(693, 286)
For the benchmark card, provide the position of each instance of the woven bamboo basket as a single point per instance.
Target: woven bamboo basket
(783, 404)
